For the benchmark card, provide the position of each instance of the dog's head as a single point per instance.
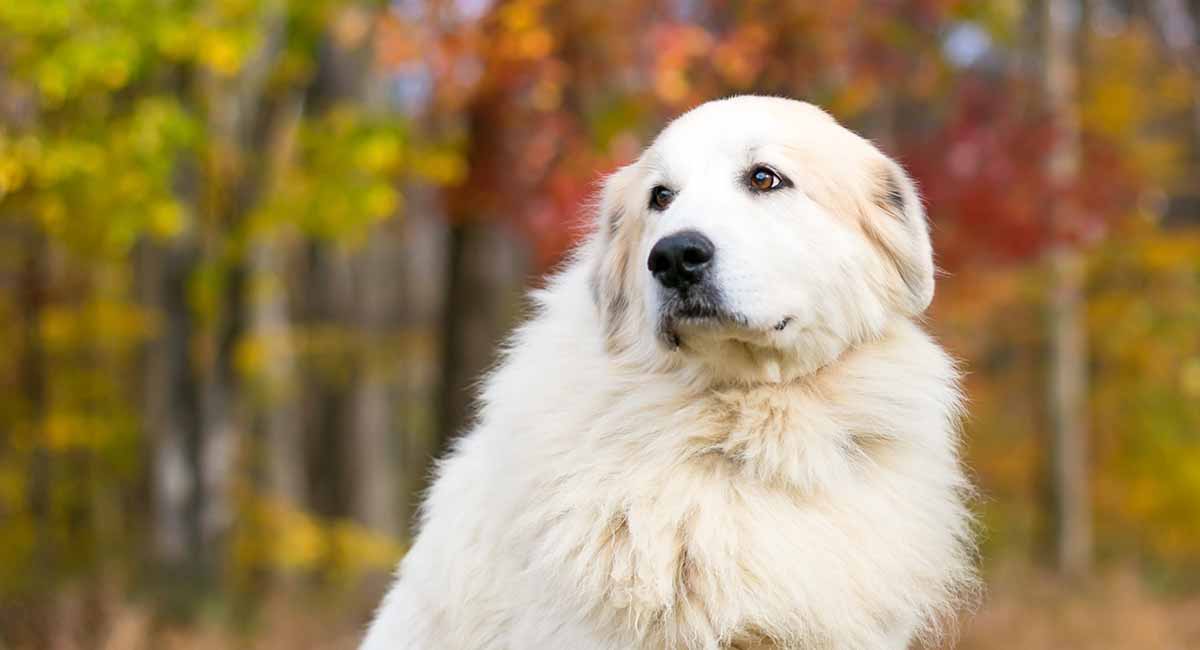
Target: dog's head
(757, 239)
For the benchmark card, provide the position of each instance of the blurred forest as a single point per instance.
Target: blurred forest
(255, 253)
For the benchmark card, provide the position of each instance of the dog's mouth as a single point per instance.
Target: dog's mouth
(696, 312)
(704, 315)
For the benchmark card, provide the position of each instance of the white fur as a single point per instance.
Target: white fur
(752, 487)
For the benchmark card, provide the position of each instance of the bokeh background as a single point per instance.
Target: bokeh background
(255, 253)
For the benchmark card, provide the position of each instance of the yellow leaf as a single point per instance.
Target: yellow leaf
(381, 200)
(166, 219)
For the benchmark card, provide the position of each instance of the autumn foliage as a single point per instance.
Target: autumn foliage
(253, 252)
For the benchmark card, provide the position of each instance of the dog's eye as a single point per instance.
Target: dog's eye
(661, 197)
(764, 179)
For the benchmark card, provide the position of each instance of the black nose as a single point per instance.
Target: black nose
(679, 261)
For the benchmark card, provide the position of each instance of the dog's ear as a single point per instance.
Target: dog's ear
(614, 240)
(896, 223)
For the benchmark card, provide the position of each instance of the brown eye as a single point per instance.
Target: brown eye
(762, 179)
(661, 197)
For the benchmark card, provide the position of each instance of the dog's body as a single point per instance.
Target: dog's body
(744, 443)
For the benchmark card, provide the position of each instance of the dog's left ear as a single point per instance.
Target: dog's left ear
(896, 222)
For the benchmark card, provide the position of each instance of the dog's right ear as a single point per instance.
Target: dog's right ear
(615, 240)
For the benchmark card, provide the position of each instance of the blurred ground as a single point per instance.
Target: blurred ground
(1023, 608)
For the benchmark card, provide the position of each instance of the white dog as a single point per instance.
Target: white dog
(722, 429)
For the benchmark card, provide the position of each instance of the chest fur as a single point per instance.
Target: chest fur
(759, 518)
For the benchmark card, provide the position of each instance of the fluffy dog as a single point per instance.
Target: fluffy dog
(721, 429)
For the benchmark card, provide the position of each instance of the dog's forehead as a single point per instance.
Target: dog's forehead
(735, 127)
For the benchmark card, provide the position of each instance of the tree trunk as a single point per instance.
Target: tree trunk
(219, 444)
(1193, 54)
(1068, 403)
(1068, 333)
(34, 287)
(32, 370)
(172, 410)
(486, 267)
(422, 305)
(1177, 24)
(373, 453)
(283, 443)
(282, 421)
(328, 373)
(375, 501)
(243, 116)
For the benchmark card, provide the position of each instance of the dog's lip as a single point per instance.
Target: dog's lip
(704, 315)
(725, 324)
(701, 313)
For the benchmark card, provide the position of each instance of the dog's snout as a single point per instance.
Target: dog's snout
(680, 260)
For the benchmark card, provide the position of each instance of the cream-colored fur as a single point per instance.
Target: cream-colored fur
(788, 479)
